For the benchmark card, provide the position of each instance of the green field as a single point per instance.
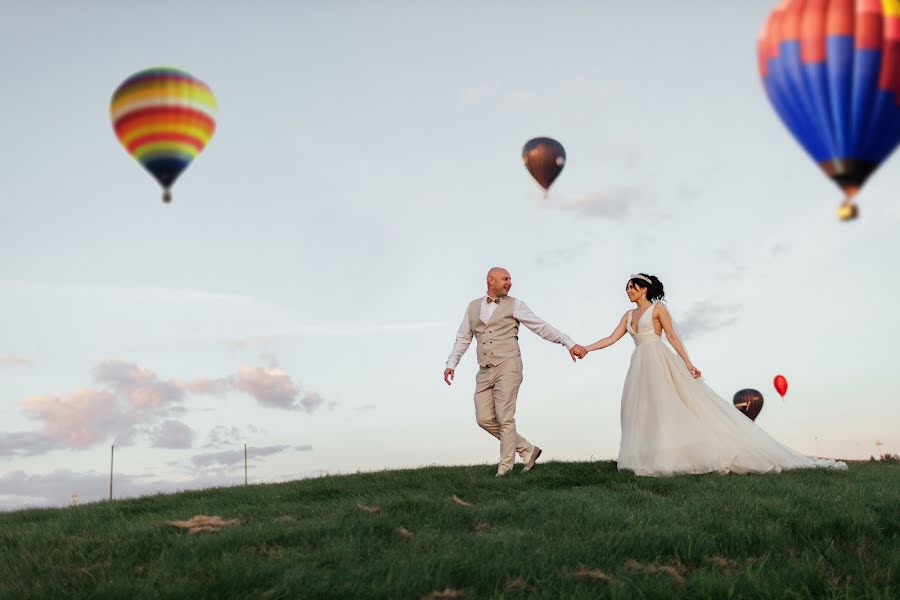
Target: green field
(566, 530)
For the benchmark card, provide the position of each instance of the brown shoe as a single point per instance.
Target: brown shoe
(534, 456)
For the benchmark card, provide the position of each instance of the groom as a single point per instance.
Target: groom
(494, 321)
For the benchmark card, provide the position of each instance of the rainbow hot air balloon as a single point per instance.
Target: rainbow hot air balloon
(831, 69)
(164, 118)
(544, 158)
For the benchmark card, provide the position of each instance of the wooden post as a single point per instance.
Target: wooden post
(112, 455)
(245, 464)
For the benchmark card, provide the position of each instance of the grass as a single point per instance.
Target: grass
(566, 530)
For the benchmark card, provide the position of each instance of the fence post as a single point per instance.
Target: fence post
(112, 454)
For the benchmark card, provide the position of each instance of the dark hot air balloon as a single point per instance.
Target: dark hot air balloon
(544, 158)
(780, 384)
(749, 402)
(831, 69)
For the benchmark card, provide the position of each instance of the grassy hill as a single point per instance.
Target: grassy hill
(566, 530)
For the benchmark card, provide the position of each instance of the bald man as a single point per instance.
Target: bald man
(494, 321)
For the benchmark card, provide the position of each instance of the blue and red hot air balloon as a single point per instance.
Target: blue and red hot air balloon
(831, 69)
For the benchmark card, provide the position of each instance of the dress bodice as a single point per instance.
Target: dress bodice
(645, 332)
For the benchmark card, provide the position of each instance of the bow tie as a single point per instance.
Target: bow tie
(494, 300)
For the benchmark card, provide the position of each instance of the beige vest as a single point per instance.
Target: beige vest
(498, 339)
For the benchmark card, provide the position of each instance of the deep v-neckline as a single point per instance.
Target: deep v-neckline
(636, 328)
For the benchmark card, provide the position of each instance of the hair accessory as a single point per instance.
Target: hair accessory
(639, 276)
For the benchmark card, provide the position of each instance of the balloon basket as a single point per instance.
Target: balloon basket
(848, 211)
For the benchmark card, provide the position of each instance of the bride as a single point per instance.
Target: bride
(672, 422)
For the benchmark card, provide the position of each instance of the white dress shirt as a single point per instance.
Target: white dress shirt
(521, 313)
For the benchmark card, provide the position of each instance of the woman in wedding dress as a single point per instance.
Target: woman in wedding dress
(672, 422)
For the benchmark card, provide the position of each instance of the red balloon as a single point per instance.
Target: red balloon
(780, 385)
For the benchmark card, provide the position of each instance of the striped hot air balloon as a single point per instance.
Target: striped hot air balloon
(831, 69)
(164, 118)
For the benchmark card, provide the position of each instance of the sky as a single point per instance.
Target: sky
(302, 292)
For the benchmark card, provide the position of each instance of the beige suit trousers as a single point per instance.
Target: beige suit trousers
(496, 389)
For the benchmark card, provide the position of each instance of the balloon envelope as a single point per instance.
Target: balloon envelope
(831, 70)
(781, 385)
(749, 402)
(164, 118)
(544, 158)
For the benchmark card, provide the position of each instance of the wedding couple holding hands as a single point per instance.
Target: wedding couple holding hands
(672, 422)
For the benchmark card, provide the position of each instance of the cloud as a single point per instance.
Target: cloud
(705, 317)
(133, 402)
(172, 434)
(311, 401)
(21, 490)
(80, 419)
(26, 443)
(14, 361)
(614, 205)
(203, 385)
(366, 408)
(228, 458)
(142, 388)
(273, 388)
(222, 435)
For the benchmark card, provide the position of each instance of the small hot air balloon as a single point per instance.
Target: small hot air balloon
(749, 402)
(831, 69)
(164, 118)
(544, 158)
(780, 385)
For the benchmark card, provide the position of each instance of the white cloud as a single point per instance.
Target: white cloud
(142, 388)
(273, 388)
(79, 419)
(133, 402)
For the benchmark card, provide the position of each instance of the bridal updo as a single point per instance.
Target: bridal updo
(654, 289)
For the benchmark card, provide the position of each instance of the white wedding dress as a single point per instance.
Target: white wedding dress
(673, 423)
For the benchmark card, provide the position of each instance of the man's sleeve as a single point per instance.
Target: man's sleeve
(463, 339)
(533, 322)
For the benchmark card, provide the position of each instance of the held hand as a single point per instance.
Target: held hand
(694, 371)
(577, 351)
(448, 375)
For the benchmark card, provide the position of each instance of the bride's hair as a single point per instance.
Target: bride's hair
(654, 289)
